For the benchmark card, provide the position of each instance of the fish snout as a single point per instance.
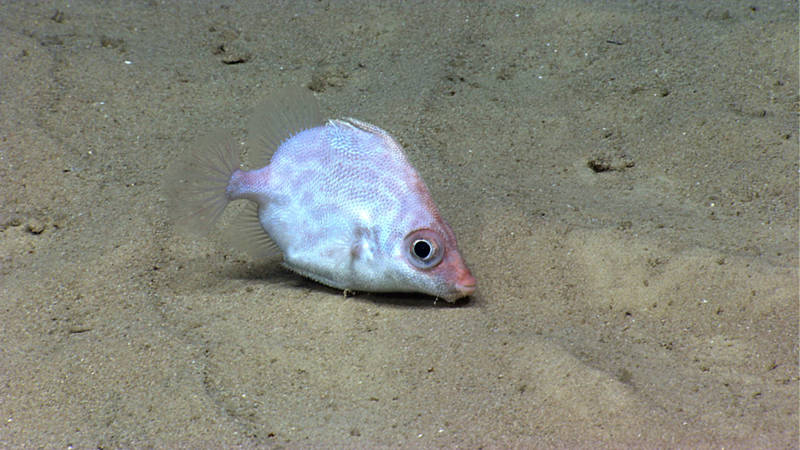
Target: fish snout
(465, 283)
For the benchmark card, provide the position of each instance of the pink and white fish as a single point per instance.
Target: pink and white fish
(339, 199)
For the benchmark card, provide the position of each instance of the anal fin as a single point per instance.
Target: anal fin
(246, 233)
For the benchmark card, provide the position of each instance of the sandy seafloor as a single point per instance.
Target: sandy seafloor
(622, 178)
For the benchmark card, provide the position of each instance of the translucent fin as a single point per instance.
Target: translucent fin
(247, 234)
(196, 182)
(279, 117)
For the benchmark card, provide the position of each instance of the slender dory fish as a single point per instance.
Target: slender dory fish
(339, 199)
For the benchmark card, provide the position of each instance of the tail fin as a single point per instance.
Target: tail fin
(196, 183)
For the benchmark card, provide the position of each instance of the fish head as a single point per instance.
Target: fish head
(433, 264)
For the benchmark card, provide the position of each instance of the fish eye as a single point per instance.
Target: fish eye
(423, 249)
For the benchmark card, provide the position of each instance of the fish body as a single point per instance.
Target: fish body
(340, 200)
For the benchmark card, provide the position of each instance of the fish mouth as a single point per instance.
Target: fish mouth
(458, 291)
(465, 285)
(465, 289)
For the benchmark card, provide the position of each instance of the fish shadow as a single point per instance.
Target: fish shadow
(274, 272)
(406, 300)
(265, 272)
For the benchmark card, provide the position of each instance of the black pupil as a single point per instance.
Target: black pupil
(422, 249)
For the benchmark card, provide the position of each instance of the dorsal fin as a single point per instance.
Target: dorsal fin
(361, 125)
(390, 141)
(276, 119)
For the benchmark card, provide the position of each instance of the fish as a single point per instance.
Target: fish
(337, 198)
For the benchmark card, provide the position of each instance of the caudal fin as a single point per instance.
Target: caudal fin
(196, 183)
